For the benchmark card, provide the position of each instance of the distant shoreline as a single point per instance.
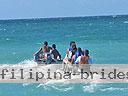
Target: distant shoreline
(63, 17)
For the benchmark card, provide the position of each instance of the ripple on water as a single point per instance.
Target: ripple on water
(125, 22)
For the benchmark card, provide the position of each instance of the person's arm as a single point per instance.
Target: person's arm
(66, 55)
(50, 48)
(40, 50)
(59, 55)
(77, 60)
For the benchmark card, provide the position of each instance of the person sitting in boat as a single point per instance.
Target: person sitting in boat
(78, 53)
(45, 52)
(70, 53)
(84, 58)
(89, 59)
(55, 53)
(38, 56)
(46, 48)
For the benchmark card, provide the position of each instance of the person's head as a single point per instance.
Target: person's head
(71, 43)
(86, 52)
(54, 46)
(45, 43)
(79, 49)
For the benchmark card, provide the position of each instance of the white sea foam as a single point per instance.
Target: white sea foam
(39, 43)
(114, 89)
(110, 22)
(4, 29)
(35, 23)
(26, 84)
(126, 22)
(27, 24)
(7, 39)
(28, 63)
(14, 53)
(59, 87)
(90, 24)
(90, 88)
(95, 87)
(56, 87)
(69, 35)
(83, 36)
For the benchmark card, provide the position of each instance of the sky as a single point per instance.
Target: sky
(23, 9)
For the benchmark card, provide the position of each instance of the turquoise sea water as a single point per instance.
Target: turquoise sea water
(106, 37)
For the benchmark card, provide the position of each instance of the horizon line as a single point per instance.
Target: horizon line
(61, 17)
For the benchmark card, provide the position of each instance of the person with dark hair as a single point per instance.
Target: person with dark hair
(44, 52)
(55, 53)
(38, 56)
(78, 53)
(46, 48)
(84, 58)
(70, 53)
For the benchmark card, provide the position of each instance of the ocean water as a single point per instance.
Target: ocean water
(106, 37)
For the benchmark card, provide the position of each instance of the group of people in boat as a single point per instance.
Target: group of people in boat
(47, 54)
(74, 55)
